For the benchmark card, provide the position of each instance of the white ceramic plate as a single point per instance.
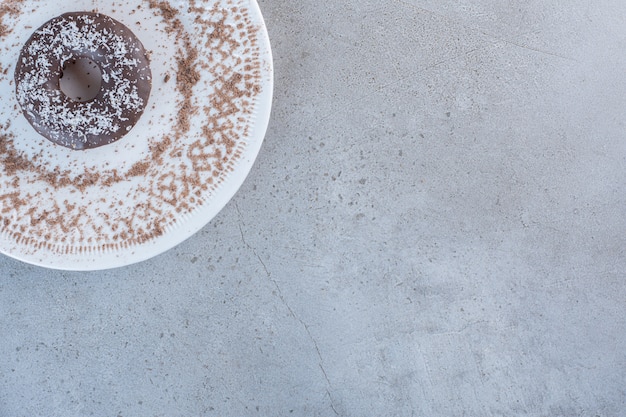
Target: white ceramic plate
(184, 160)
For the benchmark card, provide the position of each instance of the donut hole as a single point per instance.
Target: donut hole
(81, 79)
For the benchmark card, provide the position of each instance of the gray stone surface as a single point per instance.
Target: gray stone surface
(435, 226)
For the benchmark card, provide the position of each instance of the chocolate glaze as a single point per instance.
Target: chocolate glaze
(125, 89)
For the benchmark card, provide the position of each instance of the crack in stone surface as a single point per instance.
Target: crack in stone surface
(478, 30)
(279, 292)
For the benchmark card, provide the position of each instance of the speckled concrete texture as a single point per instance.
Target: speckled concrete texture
(435, 226)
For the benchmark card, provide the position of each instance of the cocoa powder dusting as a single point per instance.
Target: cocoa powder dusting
(138, 169)
(187, 75)
(10, 8)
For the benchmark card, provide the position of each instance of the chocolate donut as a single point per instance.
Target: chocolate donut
(125, 80)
